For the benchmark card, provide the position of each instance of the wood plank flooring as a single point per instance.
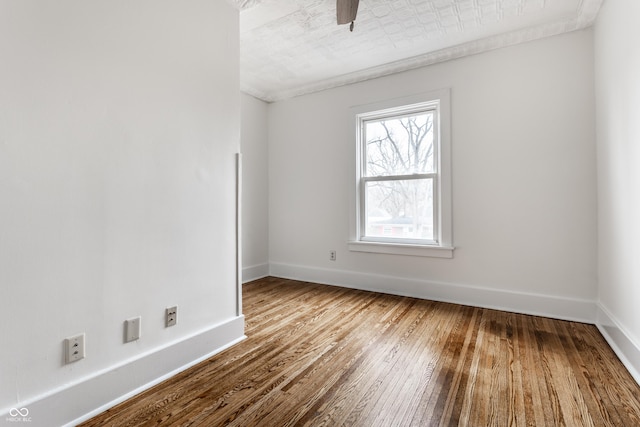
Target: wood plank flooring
(327, 356)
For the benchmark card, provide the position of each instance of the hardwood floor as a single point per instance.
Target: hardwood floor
(327, 356)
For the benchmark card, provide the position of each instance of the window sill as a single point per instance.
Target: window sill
(402, 249)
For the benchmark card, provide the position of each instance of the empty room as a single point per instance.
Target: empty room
(327, 212)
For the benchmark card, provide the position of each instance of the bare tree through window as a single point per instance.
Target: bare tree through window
(400, 167)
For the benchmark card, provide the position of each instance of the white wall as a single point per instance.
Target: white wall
(255, 188)
(119, 122)
(524, 196)
(617, 71)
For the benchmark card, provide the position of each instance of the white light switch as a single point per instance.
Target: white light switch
(132, 329)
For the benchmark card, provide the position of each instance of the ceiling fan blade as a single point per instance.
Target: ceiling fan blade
(346, 11)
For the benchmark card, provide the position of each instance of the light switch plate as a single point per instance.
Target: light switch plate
(132, 329)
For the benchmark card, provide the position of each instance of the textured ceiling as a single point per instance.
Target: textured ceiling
(293, 47)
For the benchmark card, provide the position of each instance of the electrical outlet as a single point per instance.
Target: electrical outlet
(332, 255)
(171, 316)
(132, 329)
(74, 348)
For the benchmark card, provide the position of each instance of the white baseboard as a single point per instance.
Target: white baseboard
(619, 339)
(90, 396)
(255, 272)
(518, 302)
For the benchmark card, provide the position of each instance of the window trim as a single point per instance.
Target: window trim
(442, 246)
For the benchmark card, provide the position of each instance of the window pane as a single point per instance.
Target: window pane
(399, 145)
(401, 209)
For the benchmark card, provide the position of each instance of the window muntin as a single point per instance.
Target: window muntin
(399, 174)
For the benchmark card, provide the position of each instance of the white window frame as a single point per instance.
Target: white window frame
(442, 245)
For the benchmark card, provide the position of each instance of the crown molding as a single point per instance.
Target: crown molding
(455, 52)
(584, 18)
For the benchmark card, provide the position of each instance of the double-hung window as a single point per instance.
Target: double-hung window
(402, 195)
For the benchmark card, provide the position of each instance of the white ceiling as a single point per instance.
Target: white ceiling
(293, 47)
